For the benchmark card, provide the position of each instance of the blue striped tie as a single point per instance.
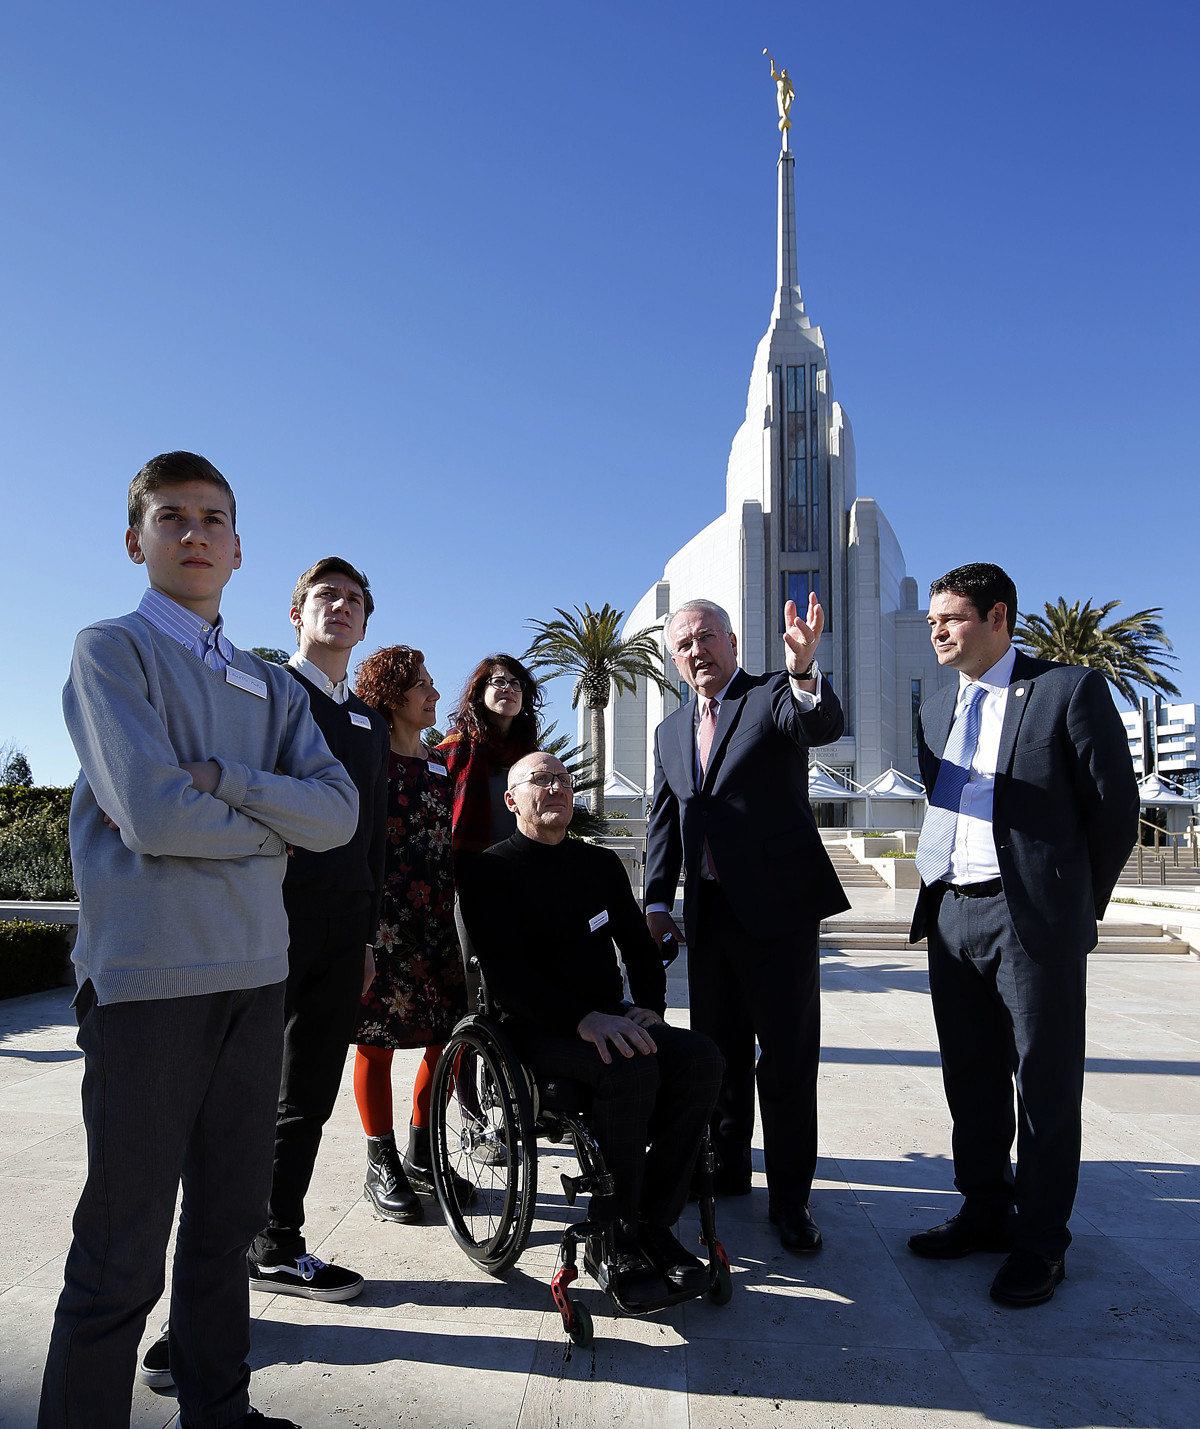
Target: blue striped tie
(936, 843)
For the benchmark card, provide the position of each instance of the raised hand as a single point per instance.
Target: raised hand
(802, 636)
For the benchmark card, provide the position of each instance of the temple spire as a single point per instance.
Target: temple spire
(789, 305)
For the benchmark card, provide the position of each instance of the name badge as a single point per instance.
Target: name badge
(598, 921)
(359, 721)
(436, 768)
(250, 683)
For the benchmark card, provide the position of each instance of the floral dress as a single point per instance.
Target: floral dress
(419, 991)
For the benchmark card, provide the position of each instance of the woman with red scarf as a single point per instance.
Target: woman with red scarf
(496, 723)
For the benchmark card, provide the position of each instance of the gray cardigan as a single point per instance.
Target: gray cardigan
(186, 898)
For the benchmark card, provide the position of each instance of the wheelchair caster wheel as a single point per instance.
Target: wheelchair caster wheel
(580, 1328)
(720, 1292)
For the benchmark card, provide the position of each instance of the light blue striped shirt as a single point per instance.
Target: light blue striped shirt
(207, 642)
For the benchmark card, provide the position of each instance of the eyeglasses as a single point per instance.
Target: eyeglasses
(498, 682)
(547, 778)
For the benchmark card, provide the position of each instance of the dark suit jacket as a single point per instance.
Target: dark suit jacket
(753, 808)
(1065, 805)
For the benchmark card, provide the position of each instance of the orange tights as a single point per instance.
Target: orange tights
(373, 1088)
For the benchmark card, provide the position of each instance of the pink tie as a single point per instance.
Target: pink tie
(704, 739)
(704, 735)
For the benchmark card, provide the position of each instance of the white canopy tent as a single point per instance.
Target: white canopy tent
(900, 795)
(1178, 808)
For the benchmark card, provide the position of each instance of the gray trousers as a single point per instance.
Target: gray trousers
(179, 1089)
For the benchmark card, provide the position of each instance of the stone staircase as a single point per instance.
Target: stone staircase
(846, 933)
(850, 872)
(1161, 868)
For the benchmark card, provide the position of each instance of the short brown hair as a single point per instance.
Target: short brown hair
(384, 678)
(174, 469)
(323, 568)
(471, 716)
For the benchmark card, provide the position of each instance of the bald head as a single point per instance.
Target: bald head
(539, 793)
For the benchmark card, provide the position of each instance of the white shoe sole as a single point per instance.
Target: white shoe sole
(266, 1286)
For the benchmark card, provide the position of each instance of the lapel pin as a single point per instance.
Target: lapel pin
(1019, 691)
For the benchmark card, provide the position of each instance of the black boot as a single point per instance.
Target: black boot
(418, 1167)
(386, 1185)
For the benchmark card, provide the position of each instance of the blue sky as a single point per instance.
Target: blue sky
(469, 294)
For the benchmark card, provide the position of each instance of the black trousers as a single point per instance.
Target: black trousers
(320, 1016)
(658, 1099)
(742, 988)
(1003, 1017)
(182, 1088)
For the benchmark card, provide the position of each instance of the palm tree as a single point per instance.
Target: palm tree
(1128, 652)
(588, 645)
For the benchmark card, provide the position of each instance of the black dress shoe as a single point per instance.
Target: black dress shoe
(958, 1237)
(631, 1276)
(798, 1232)
(678, 1267)
(1027, 1278)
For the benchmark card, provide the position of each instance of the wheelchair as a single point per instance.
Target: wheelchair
(487, 1112)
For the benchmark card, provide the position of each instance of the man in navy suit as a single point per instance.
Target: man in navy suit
(731, 807)
(1033, 811)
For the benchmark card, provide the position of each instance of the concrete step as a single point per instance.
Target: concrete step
(853, 934)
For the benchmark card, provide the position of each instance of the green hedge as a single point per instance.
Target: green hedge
(35, 854)
(33, 957)
(17, 805)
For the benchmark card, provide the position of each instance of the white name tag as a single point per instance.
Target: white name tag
(436, 768)
(360, 721)
(250, 683)
(598, 921)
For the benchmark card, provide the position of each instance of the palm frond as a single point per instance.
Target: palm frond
(1129, 652)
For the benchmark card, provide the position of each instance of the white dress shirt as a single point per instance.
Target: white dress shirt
(337, 690)
(973, 859)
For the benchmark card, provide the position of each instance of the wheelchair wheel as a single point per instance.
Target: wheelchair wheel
(482, 1130)
(720, 1292)
(581, 1332)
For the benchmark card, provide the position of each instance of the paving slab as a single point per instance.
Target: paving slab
(862, 1336)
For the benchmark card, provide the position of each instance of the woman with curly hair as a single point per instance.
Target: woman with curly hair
(418, 993)
(496, 723)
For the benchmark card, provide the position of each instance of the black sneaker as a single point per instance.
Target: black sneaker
(154, 1367)
(678, 1267)
(306, 1276)
(253, 1420)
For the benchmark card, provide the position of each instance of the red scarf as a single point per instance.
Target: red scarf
(469, 765)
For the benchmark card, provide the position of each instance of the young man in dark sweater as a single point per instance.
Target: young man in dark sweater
(543, 913)
(332, 901)
(332, 904)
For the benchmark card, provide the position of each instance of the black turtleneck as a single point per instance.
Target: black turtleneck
(534, 913)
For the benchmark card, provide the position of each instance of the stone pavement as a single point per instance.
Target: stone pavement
(863, 1336)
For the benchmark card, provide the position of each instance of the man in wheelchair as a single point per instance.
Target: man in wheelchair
(543, 913)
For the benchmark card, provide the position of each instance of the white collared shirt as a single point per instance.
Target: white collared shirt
(973, 859)
(337, 690)
(207, 642)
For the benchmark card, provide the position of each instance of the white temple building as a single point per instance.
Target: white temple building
(794, 522)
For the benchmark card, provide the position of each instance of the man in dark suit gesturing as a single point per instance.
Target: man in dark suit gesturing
(731, 807)
(1033, 809)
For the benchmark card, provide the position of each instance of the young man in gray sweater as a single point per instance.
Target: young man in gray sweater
(200, 765)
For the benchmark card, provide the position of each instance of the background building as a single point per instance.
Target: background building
(794, 522)
(1162, 740)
